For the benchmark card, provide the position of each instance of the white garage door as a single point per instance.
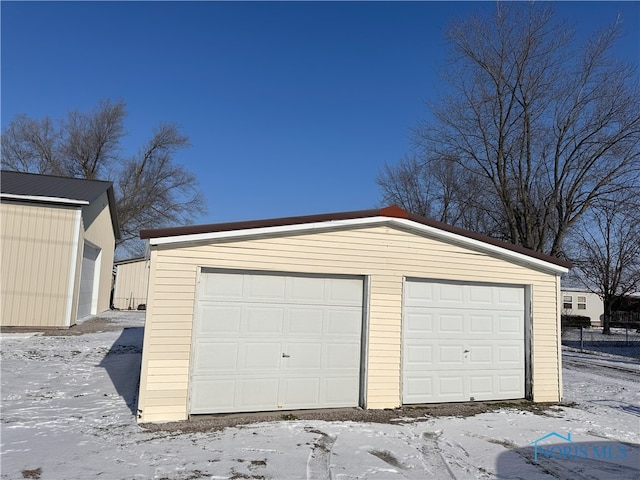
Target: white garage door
(87, 281)
(269, 342)
(462, 342)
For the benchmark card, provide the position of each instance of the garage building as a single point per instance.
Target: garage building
(374, 308)
(58, 237)
(131, 283)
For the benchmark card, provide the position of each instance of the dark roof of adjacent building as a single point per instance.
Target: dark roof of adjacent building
(391, 212)
(25, 186)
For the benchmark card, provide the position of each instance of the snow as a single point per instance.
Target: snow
(68, 407)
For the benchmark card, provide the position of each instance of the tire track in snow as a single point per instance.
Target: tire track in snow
(319, 460)
(631, 372)
(434, 457)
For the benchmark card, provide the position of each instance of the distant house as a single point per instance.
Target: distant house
(584, 303)
(132, 281)
(58, 239)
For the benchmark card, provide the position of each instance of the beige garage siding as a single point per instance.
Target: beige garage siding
(386, 254)
(132, 281)
(99, 231)
(38, 246)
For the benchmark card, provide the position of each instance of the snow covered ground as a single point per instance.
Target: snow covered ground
(68, 407)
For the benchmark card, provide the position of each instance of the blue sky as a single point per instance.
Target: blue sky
(292, 108)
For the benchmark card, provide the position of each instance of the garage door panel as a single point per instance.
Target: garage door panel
(462, 341)
(481, 387)
(300, 392)
(307, 290)
(465, 296)
(263, 320)
(418, 323)
(450, 324)
(480, 295)
(342, 357)
(509, 383)
(256, 356)
(418, 390)
(481, 356)
(220, 319)
(344, 291)
(265, 287)
(343, 321)
(501, 354)
(340, 392)
(510, 298)
(441, 323)
(510, 324)
(449, 356)
(259, 393)
(509, 356)
(418, 293)
(417, 356)
(445, 293)
(217, 285)
(450, 386)
(219, 394)
(305, 321)
(218, 357)
(285, 342)
(302, 355)
(481, 324)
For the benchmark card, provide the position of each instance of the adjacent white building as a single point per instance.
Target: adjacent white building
(584, 303)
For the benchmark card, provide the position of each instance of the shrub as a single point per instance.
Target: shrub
(575, 321)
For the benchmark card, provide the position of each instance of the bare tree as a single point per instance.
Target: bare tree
(438, 188)
(152, 190)
(607, 249)
(409, 186)
(544, 129)
(90, 145)
(32, 146)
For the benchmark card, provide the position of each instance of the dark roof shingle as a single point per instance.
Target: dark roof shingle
(18, 183)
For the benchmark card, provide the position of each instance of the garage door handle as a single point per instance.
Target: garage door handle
(284, 355)
(466, 351)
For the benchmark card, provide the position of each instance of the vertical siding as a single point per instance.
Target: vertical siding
(132, 281)
(386, 254)
(99, 231)
(37, 249)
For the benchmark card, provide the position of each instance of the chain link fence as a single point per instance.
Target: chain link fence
(624, 339)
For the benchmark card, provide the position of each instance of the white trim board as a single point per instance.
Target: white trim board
(38, 198)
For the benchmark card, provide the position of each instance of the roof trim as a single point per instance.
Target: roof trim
(113, 211)
(130, 260)
(41, 199)
(390, 215)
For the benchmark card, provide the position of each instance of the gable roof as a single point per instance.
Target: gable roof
(33, 187)
(390, 215)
